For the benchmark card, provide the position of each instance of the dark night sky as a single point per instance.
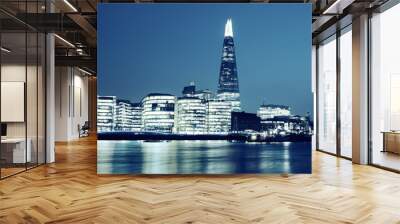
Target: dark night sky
(144, 48)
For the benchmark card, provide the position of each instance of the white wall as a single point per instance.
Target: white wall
(71, 102)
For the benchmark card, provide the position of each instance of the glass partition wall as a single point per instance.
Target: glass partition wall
(326, 135)
(385, 89)
(22, 100)
(334, 94)
(345, 91)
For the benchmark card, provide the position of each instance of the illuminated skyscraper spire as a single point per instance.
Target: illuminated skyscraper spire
(228, 28)
(228, 88)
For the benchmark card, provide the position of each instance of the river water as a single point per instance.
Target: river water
(202, 157)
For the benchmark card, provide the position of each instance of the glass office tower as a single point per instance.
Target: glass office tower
(115, 114)
(124, 116)
(218, 116)
(137, 110)
(190, 116)
(228, 88)
(273, 116)
(271, 110)
(158, 112)
(106, 112)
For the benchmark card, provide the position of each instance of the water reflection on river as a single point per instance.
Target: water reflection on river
(202, 157)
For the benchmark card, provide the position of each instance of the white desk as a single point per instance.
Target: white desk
(19, 155)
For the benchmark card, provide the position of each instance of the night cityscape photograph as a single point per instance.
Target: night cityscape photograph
(204, 89)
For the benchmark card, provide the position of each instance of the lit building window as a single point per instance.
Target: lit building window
(137, 110)
(190, 116)
(218, 116)
(158, 112)
(272, 110)
(106, 112)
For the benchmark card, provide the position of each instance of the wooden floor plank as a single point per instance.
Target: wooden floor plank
(70, 191)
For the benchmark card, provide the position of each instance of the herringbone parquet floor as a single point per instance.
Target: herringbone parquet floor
(69, 191)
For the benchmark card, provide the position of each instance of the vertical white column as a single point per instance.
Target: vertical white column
(50, 92)
(360, 90)
(50, 99)
(63, 101)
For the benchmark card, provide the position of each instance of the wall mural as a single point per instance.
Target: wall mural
(204, 88)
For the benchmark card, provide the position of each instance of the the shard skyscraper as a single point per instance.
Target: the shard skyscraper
(228, 88)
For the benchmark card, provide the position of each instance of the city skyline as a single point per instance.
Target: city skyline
(195, 112)
(204, 88)
(126, 81)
